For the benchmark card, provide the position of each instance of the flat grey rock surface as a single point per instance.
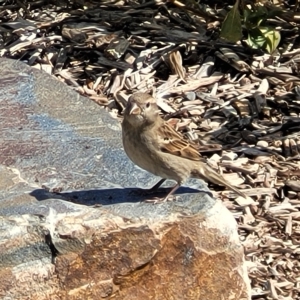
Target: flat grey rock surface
(61, 150)
(72, 214)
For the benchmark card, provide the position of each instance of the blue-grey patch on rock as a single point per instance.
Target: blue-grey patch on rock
(46, 123)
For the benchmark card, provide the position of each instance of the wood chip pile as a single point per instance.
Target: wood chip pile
(241, 105)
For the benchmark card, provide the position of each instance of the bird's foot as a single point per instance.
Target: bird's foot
(157, 200)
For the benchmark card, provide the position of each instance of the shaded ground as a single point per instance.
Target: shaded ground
(239, 104)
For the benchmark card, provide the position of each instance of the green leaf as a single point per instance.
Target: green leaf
(271, 36)
(254, 15)
(265, 37)
(255, 39)
(232, 27)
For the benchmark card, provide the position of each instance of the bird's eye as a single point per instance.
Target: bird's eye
(147, 104)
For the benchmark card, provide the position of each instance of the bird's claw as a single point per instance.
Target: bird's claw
(157, 200)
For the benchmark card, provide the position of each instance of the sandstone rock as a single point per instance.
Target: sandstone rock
(125, 251)
(60, 246)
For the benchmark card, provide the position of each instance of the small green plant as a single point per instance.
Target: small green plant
(255, 16)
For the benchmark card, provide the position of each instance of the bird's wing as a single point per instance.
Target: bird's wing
(170, 141)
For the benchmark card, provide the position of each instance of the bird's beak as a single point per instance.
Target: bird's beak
(135, 110)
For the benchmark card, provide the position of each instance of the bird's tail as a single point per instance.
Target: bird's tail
(208, 174)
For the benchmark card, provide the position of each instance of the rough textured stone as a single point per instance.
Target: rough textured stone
(179, 252)
(60, 246)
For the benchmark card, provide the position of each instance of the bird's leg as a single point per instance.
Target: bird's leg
(157, 185)
(143, 192)
(161, 200)
(176, 186)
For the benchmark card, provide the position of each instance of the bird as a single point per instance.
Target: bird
(156, 147)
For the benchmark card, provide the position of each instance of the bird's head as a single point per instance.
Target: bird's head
(141, 109)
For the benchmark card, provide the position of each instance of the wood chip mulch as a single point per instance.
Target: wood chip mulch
(241, 105)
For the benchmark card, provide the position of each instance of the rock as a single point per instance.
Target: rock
(71, 222)
(126, 251)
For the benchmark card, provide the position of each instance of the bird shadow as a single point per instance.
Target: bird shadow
(112, 195)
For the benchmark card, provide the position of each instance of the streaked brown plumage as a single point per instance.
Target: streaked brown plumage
(157, 148)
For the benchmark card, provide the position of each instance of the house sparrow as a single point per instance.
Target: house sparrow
(157, 148)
